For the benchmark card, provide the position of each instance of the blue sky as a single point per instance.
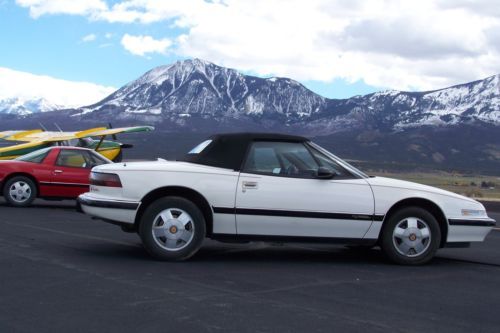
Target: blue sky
(336, 48)
(52, 45)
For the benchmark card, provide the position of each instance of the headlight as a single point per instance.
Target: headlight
(473, 212)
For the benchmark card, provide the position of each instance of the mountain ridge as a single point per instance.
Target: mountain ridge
(196, 88)
(195, 93)
(451, 128)
(26, 106)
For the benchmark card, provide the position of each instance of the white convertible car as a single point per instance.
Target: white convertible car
(250, 186)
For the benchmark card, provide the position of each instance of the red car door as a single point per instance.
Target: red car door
(70, 174)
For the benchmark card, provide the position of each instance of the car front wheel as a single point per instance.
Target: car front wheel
(411, 236)
(20, 191)
(172, 228)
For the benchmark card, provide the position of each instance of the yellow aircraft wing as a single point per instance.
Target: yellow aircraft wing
(46, 136)
(113, 131)
(5, 134)
(19, 135)
(37, 139)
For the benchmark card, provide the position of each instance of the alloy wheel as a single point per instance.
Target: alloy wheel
(411, 237)
(173, 229)
(20, 191)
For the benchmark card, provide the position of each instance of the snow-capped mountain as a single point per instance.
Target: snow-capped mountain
(197, 89)
(455, 127)
(199, 95)
(25, 106)
(465, 103)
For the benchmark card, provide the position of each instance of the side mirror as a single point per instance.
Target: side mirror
(325, 173)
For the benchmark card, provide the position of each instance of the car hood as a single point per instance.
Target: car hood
(396, 183)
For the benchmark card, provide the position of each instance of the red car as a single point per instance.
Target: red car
(50, 173)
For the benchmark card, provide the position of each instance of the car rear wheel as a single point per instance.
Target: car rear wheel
(20, 191)
(411, 236)
(172, 228)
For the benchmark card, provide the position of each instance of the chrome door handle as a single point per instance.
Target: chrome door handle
(249, 185)
(57, 172)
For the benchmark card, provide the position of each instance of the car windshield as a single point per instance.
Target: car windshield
(34, 157)
(340, 161)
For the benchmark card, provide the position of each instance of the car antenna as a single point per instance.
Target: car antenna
(59, 128)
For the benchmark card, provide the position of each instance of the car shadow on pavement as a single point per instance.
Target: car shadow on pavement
(290, 253)
(250, 253)
(66, 205)
(132, 252)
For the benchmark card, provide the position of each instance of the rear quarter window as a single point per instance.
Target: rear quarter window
(35, 157)
(199, 148)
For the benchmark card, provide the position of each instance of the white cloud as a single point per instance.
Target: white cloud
(73, 7)
(66, 93)
(142, 45)
(481, 7)
(89, 38)
(422, 44)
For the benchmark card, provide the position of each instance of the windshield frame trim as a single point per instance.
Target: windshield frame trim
(353, 170)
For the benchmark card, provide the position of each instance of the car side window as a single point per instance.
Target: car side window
(35, 157)
(72, 158)
(285, 159)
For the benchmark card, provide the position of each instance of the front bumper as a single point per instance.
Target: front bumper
(469, 230)
(108, 209)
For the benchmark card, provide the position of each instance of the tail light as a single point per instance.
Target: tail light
(105, 179)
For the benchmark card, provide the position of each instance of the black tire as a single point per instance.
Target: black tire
(28, 186)
(392, 246)
(151, 219)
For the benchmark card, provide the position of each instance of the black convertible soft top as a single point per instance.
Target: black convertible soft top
(228, 150)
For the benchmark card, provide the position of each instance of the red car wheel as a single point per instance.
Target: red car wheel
(20, 191)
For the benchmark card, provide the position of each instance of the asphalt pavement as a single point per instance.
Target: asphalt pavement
(61, 271)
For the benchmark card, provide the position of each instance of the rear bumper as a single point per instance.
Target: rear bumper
(87, 200)
(108, 209)
(469, 230)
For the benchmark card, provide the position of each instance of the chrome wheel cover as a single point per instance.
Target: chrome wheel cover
(411, 237)
(173, 229)
(20, 191)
